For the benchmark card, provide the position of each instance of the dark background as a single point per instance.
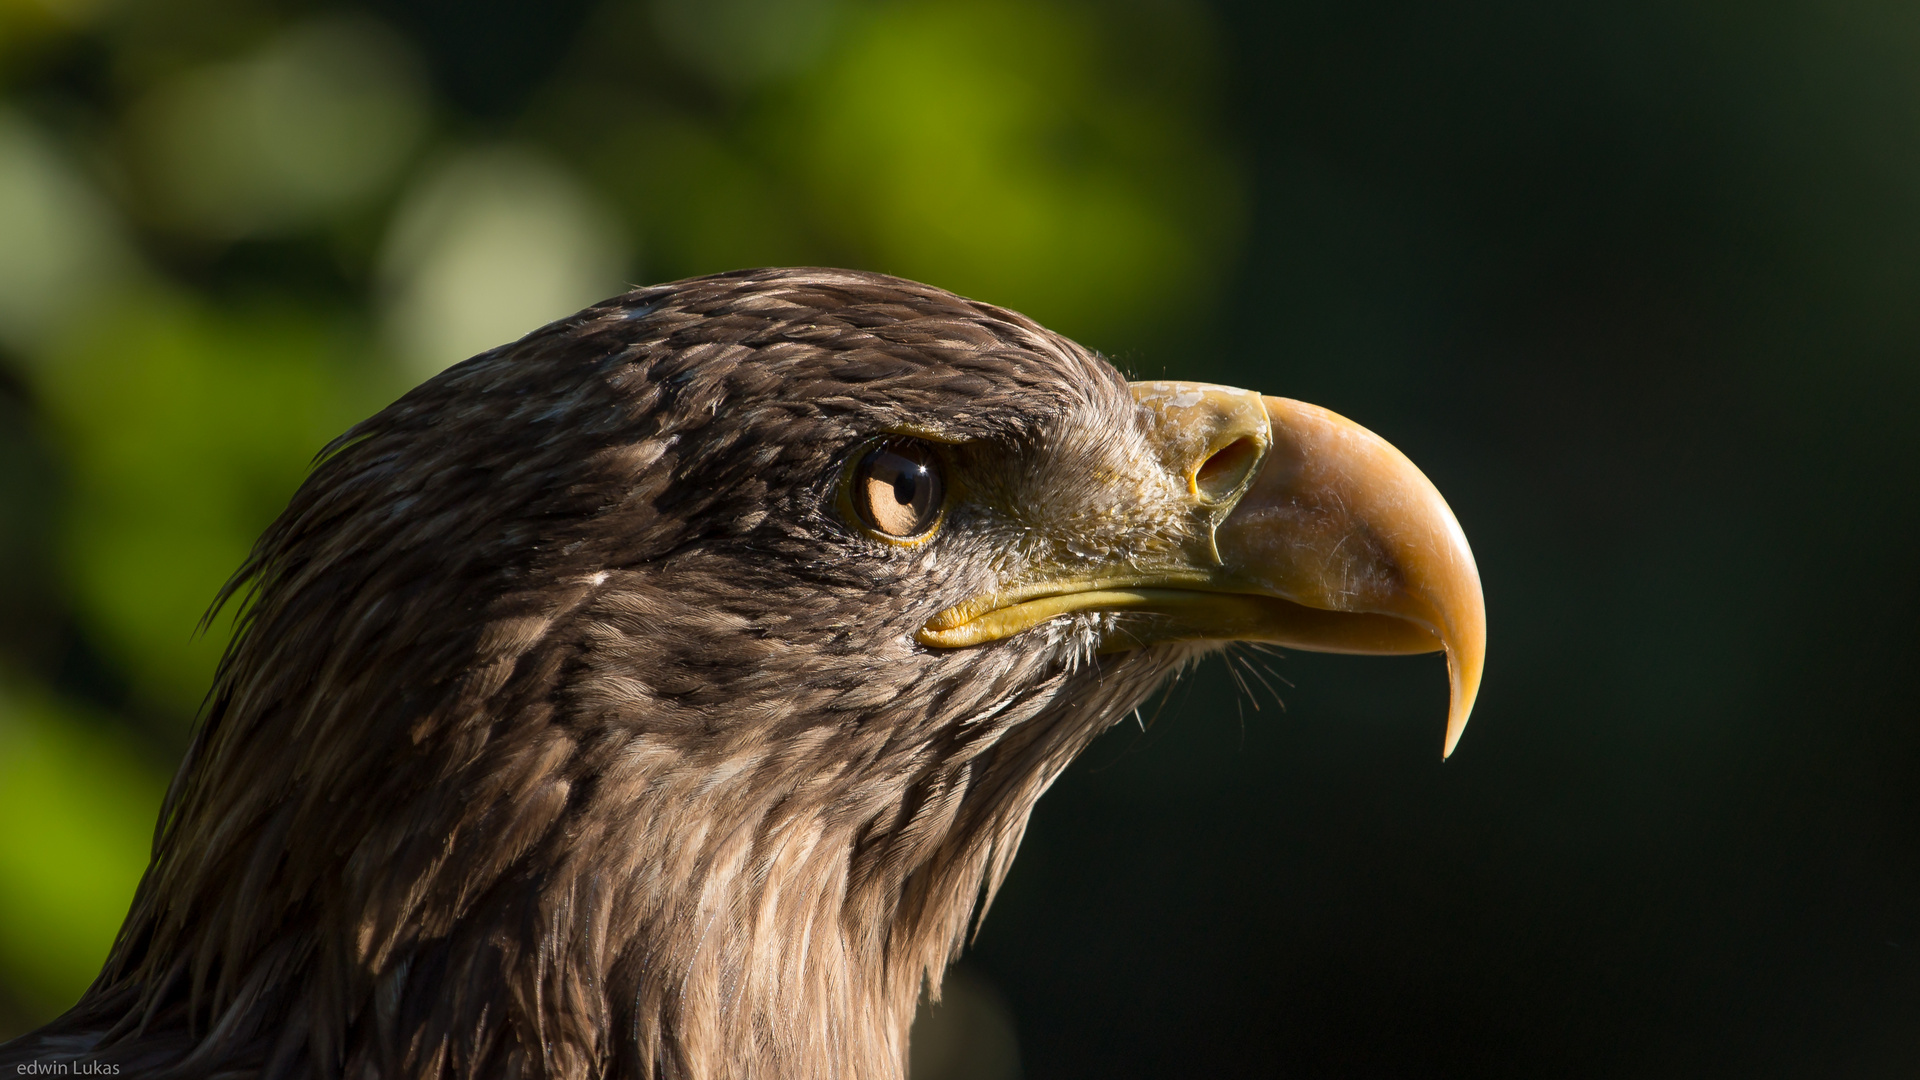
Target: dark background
(1637, 284)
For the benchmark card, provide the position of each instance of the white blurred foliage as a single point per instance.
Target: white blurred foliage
(489, 246)
(317, 122)
(60, 243)
(741, 43)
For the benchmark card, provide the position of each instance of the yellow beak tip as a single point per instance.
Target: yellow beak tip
(1464, 680)
(1456, 727)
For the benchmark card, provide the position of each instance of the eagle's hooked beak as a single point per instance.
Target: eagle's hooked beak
(1315, 533)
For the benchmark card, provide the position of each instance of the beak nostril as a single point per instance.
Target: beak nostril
(1221, 474)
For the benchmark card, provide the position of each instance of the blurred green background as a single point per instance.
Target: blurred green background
(1637, 283)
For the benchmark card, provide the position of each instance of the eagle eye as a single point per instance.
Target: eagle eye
(898, 489)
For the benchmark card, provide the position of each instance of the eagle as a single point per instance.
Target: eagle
(665, 694)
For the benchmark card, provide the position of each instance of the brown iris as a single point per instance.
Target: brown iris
(898, 490)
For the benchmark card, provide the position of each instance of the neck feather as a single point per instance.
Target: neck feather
(525, 890)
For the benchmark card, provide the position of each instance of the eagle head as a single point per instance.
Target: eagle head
(661, 694)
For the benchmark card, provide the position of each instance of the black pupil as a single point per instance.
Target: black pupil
(907, 482)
